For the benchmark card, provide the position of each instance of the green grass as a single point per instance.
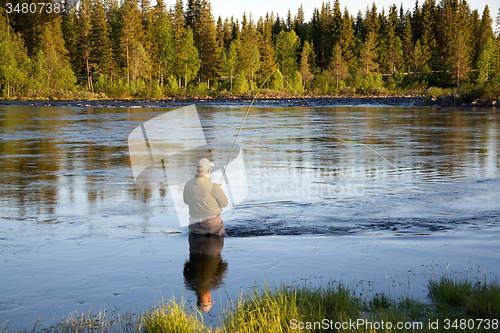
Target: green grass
(454, 305)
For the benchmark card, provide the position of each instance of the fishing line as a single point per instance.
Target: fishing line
(333, 134)
(245, 118)
(312, 108)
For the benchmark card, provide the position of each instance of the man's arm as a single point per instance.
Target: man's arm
(219, 195)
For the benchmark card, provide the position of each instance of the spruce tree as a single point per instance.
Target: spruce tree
(408, 46)
(299, 25)
(346, 37)
(427, 40)
(482, 34)
(248, 51)
(52, 54)
(205, 37)
(84, 24)
(131, 32)
(367, 62)
(102, 50)
(461, 46)
(70, 30)
(393, 42)
(266, 49)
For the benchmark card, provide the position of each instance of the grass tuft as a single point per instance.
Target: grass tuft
(273, 309)
(449, 292)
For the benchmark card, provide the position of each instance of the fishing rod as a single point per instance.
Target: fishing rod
(312, 108)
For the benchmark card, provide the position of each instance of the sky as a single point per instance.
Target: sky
(226, 8)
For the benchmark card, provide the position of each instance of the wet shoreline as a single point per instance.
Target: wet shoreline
(292, 101)
(264, 101)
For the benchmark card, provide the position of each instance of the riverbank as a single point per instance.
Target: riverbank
(455, 305)
(288, 101)
(267, 100)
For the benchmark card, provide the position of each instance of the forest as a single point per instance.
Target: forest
(100, 49)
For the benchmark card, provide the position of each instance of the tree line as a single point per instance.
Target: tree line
(106, 48)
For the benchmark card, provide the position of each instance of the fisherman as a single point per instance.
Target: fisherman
(205, 200)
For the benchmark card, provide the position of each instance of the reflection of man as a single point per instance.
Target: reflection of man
(205, 269)
(205, 200)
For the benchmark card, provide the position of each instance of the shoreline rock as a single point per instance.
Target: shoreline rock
(456, 101)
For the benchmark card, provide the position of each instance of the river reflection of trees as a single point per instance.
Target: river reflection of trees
(69, 156)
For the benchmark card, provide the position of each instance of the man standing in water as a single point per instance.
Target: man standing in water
(205, 200)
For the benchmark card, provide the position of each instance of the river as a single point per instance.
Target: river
(78, 232)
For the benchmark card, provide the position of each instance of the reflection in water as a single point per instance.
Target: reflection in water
(71, 165)
(205, 270)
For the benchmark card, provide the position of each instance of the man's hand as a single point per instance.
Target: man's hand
(221, 186)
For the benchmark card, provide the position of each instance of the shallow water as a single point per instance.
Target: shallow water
(75, 226)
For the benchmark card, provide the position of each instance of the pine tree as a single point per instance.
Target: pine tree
(336, 24)
(70, 30)
(52, 55)
(205, 38)
(447, 25)
(371, 24)
(368, 54)
(179, 29)
(266, 49)
(415, 20)
(84, 38)
(248, 51)
(408, 47)
(461, 52)
(346, 37)
(131, 31)
(482, 34)
(393, 42)
(427, 39)
(321, 34)
(149, 27)
(102, 50)
(299, 25)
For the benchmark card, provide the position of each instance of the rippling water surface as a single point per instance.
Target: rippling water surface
(66, 177)
(71, 165)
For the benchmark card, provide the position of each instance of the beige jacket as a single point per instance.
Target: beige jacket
(204, 198)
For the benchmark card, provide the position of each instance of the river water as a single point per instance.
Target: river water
(77, 231)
